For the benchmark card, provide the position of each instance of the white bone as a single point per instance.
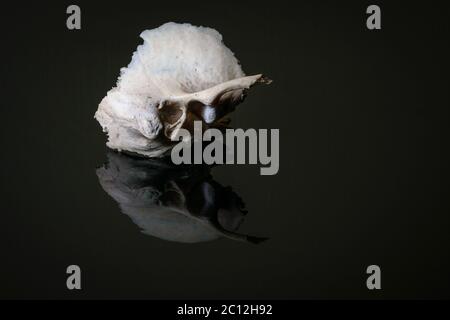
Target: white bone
(176, 65)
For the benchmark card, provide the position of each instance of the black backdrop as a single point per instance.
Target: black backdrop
(363, 118)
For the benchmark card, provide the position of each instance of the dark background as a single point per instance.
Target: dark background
(364, 162)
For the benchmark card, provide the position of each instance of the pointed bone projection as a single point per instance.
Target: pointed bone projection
(174, 203)
(181, 73)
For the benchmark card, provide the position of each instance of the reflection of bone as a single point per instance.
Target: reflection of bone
(181, 73)
(181, 204)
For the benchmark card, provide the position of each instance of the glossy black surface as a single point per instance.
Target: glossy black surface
(173, 202)
(363, 119)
